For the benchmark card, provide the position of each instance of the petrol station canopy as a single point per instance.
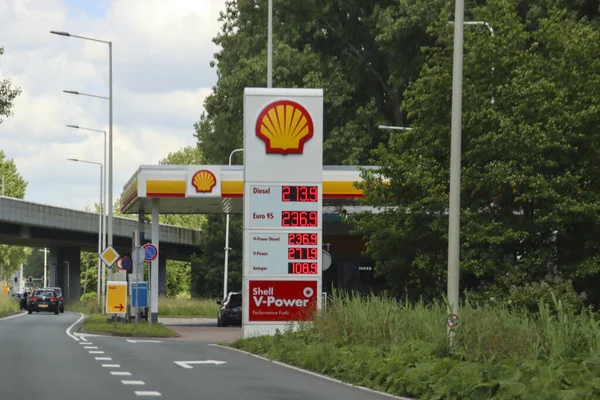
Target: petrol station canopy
(212, 189)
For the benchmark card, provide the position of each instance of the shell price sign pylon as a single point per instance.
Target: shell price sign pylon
(283, 205)
(109, 256)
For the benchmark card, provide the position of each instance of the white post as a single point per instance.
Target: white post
(98, 287)
(45, 267)
(154, 264)
(110, 146)
(226, 258)
(455, 163)
(21, 283)
(270, 46)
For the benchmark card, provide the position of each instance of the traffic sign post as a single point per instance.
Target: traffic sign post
(138, 254)
(283, 180)
(139, 294)
(151, 252)
(116, 297)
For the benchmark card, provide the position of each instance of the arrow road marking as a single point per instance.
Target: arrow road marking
(188, 364)
(144, 341)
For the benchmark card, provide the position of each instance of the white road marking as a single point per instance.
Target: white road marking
(96, 352)
(133, 382)
(139, 393)
(111, 365)
(69, 329)
(311, 373)
(144, 341)
(13, 316)
(90, 347)
(188, 364)
(120, 373)
(103, 358)
(85, 343)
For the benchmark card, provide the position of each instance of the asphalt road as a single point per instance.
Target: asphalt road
(38, 358)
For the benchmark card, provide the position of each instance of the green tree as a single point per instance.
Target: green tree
(207, 268)
(11, 257)
(8, 94)
(363, 54)
(530, 162)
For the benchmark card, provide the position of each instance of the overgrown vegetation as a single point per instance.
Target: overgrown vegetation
(97, 323)
(7, 304)
(504, 352)
(167, 307)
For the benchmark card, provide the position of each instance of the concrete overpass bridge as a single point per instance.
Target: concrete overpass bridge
(67, 232)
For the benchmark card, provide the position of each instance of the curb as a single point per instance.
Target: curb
(116, 334)
(328, 378)
(12, 314)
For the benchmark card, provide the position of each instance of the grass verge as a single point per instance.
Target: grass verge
(96, 323)
(166, 307)
(502, 352)
(187, 307)
(7, 304)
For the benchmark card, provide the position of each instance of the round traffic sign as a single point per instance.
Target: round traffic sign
(126, 263)
(138, 255)
(452, 321)
(326, 260)
(151, 251)
(118, 264)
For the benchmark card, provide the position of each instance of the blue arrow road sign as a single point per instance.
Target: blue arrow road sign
(126, 263)
(142, 291)
(151, 251)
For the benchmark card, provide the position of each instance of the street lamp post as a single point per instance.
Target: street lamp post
(100, 265)
(455, 162)
(226, 266)
(110, 127)
(104, 201)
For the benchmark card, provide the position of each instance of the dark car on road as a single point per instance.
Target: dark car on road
(59, 295)
(231, 310)
(43, 300)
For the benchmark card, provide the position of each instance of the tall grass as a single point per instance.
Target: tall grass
(7, 304)
(484, 332)
(174, 307)
(167, 307)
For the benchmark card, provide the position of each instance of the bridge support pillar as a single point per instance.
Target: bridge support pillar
(65, 271)
(162, 275)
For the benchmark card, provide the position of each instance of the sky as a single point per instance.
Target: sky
(161, 76)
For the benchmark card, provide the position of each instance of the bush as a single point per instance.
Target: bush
(7, 304)
(502, 351)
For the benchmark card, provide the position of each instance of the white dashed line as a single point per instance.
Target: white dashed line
(103, 358)
(133, 382)
(90, 347)
(139, 393)
(86, 343)
(120, 373)
(111, 366)
(96, 352)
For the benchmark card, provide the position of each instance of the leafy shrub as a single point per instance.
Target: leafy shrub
(503, 352)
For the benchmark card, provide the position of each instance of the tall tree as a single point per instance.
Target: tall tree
(530, 161)
(11, 257)
(363, 54)
(8, 94)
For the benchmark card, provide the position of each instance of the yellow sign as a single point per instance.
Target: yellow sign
(109, 256)
(116, 297)
(5, 288)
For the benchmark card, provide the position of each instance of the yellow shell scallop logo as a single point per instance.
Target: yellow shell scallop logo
(204, 181)
(284, 126)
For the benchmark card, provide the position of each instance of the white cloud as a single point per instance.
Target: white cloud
(161, 75)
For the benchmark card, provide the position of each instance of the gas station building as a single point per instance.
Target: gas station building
(168, 189)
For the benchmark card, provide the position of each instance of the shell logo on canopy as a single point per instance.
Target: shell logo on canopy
(204, 181)
(285, 126)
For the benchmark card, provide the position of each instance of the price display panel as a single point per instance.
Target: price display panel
(284, 206)
(281, 253)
